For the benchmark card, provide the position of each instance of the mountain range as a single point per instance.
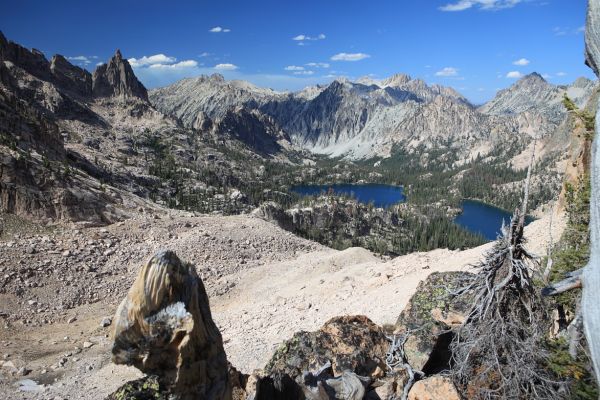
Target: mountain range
(369, 118)
(89, 146)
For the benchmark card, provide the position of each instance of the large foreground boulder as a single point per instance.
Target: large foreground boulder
(428, 318)
(345, 359)
(164, 328)
(349, 343)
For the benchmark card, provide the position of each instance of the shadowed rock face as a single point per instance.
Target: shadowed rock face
(70, 77)
(164, 327)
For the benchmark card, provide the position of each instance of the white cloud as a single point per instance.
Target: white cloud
(179, 65)
(561, 74)
(317, 65)
(218, 29)
(294, 68)
(581, 29)
(546, 76)
(205, 54)
(349, 57)
(521, 62)
(304, 72)
(99, 64)
(158, 62)
(151, 60)
(462, 5)
(514, 75)
(226, 67)
(301, 38)
(81, 59)
(447, 71)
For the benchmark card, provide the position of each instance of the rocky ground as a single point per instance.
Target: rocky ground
(59, 286)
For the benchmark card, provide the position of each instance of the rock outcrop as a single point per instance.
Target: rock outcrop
(164, 327)
(116, 79)
(339, 223)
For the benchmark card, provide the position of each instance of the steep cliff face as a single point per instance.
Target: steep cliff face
(117, 79)
(256, 130)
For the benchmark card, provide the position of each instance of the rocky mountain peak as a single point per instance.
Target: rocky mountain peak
(396, 80)
(533, 77)
(217, 78)
(528, 92)
(582, 82)
(116, 79)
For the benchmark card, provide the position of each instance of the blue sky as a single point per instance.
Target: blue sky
(475, 46)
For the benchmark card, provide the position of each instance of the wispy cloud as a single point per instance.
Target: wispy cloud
(304, 72)
(205, 54)
(317, 65)
(219, 29)
(558, 31)
(82, 59)
(349, 57)
(301, 38)
(226, 67)
(514, 75)
(179, 65)
(491, 5)
(561, 74)
(294, 68)
(521, 62)
(151, 60)
(447, 71)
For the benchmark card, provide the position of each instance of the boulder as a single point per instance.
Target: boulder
(164, 327)
(428, 318)
(350, 343)
(341, 360)
(434, 388)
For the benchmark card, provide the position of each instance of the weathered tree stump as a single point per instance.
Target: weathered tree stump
(164, 327)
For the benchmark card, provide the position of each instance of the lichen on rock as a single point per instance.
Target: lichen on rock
(428, 317)
(351, 343)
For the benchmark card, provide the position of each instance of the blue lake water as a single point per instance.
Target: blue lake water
(380, 195)
(482, 218)
(476, 216)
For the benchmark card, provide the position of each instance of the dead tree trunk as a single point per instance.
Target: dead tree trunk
(590, 303)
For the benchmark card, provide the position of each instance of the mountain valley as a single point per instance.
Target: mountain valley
(98, 173)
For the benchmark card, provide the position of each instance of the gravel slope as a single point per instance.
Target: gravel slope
(264, 284)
